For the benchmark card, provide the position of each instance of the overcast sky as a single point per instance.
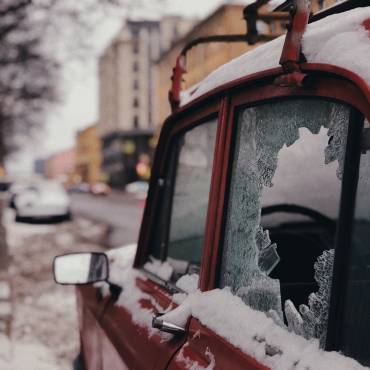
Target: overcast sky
(79, 106)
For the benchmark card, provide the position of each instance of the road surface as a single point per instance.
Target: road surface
(120, 211)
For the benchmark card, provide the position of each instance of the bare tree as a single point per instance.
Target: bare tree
(31, 58)
(27, 82)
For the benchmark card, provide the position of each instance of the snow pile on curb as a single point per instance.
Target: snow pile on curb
(18, 232)
(25, 356)
(339, 39)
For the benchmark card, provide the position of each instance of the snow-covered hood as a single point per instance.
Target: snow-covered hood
(340, 39)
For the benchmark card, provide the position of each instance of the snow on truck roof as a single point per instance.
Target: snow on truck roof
(339, 39)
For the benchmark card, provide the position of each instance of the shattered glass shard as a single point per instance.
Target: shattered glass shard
(268, 259)
(262, 294)
(275, 317)
(294, 319)
(262, 238)
(311, 321)
(338, 127)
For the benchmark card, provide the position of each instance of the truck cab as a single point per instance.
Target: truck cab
(254, 245)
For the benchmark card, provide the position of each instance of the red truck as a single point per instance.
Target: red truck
(254, 246)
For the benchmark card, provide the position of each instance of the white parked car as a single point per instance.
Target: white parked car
(138, 188)
(43, 202)
(17, 188)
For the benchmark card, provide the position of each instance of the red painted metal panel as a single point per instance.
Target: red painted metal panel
(300, 11)
(114, 339)
(204, 347)
(267, 76)
(366, 24)
(90, 330)
(111, 357)
(217, 193)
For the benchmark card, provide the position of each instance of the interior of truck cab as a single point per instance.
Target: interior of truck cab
(299, 246)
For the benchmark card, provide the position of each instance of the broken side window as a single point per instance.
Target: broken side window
(282, 210)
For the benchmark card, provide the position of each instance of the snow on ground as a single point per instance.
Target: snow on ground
(23, 355)
(44, 327)
(339, 39)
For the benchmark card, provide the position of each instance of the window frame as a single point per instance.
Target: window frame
(176, 151)
(173, 129)
(242, 100)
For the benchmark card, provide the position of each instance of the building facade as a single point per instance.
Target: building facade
(39, 166)
(60, 166)
(126, 73)
(126, 93)
(88, 156)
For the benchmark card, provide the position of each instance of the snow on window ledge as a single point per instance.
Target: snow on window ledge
(256, 334)
(228, 316)
(188, 283)
(162, 269)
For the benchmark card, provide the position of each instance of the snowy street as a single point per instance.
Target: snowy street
(44, 326)
(121, 211)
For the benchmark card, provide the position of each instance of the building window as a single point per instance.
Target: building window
(135, 47)
(135, 103)
(175, 32)
(136, 122)
(136, 85)
(135, 66)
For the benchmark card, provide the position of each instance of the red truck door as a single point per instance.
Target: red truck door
(126, 343)
(126, 338)
(277, 246)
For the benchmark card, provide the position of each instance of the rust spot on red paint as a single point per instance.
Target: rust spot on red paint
(366, 24)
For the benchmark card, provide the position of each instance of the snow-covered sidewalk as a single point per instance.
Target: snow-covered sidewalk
(44, 328)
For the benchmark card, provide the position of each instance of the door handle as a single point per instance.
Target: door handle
(166, 326)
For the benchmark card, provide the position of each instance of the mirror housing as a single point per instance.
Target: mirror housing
(80, 268)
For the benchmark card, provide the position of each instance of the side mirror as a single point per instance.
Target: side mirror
(81, 268)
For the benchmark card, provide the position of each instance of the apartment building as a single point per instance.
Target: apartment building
(126, 92)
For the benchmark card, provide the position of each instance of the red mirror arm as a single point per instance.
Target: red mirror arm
(290, 57)
(291, 53)
(177, 73)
